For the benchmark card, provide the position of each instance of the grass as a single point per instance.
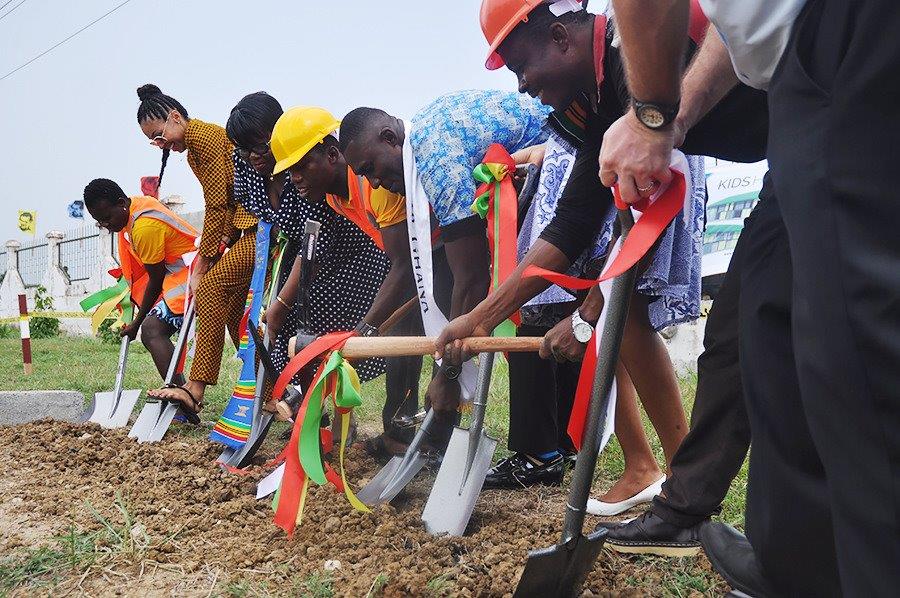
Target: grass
(88, 366)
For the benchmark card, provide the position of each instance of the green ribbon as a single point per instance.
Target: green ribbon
(104, 295)
(346, 395)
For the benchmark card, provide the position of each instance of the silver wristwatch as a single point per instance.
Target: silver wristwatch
(581, 329)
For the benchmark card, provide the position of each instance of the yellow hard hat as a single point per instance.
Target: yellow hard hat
(298, 131)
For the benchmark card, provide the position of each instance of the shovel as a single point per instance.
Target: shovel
(399, 471)
(156, 416)
(465, 466)
(560, 570)
(262, 419)
(112, 409)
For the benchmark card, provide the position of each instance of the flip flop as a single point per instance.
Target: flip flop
(190, 412)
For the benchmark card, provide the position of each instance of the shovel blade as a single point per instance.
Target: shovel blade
(122, 413)
(560, 570)
(153, 421)
(370, 494)
(402, 477)
(452, 501)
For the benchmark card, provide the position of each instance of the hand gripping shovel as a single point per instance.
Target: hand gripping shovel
(561, 569)
(156, 416)
(112, 409)
(465, 466)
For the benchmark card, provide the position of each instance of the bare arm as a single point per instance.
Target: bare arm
(653, 69)
(155, 274)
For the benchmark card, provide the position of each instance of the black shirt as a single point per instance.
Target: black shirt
(736, 129)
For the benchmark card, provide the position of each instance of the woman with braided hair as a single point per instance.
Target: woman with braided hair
(218, 282)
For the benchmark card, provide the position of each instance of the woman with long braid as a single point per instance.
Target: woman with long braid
(219, 283)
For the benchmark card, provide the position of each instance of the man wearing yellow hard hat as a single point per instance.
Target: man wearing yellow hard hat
(303, 143)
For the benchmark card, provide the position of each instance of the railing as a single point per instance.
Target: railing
(78, 255)
(32, 263)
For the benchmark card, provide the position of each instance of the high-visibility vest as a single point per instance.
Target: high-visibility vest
(176, 280)
(359, 210)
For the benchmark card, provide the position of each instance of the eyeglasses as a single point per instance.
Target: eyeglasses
(160, 140)
(260, 150)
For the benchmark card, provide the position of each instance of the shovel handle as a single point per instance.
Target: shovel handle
(358, 347)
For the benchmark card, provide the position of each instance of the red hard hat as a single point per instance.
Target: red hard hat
(498, 18)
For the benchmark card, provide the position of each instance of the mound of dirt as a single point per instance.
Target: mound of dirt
(200, 518)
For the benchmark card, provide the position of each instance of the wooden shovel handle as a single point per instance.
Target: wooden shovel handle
(402, 346)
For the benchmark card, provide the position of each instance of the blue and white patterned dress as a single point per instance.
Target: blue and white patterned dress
(450, 136)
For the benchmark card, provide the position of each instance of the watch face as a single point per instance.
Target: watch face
(651, 117)
(582, 332)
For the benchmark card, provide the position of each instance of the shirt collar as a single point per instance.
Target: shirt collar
(599, 49)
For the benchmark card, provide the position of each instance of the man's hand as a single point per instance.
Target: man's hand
(636, 157)
(275, 316)
(460, 328)
(198, 271)
(443, 394)
(560, 343)
(530, 155)
(130, 330)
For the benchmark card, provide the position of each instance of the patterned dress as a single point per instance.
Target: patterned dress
(450, 136)
(350, 268)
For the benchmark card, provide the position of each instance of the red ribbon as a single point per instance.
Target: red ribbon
(654, 219)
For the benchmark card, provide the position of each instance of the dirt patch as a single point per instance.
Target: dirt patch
(200, 530)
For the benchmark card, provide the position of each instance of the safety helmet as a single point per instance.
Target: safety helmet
(298, 131)
(498, 19)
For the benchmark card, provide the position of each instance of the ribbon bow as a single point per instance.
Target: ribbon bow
(337, 381)
(496, 202)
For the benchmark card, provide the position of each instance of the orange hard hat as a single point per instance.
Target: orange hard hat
(498, 18)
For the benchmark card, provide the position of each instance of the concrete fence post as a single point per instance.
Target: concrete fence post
(101, 279)
(55, 279)
(12, 285)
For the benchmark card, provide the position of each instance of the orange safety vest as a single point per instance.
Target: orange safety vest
(359, 210)
(176, 280)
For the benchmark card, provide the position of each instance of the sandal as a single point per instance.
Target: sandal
(190, 411)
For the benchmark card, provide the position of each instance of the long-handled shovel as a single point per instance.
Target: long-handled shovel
(112, 409)
(156, 416)
(560, 570)
(465, 465)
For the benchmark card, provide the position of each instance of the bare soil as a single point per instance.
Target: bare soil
(198, 530)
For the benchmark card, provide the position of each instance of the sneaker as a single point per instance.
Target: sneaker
(650, 534)
(521, 471)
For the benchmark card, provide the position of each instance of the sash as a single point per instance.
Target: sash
(233, 427)
(419, 226)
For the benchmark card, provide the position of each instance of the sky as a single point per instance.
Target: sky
(71, 116)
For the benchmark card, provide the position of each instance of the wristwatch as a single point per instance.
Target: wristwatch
(653, 115)
(365, 329)
(581, 329)
(451, 372)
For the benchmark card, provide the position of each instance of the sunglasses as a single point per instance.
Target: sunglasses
(260, 150)
(160, 140)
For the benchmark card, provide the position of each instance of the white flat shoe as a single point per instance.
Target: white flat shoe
(608, 509)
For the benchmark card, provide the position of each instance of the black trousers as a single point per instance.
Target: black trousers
(541, 393)
(835, 121)
(712, 453)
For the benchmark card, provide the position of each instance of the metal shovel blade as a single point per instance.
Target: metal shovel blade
(399, 471)
(560, 570)
(121, 413)
(450, 505)
(153, 421)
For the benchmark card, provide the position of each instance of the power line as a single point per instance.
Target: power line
(53, 47)
(2, 6)
(6, 14)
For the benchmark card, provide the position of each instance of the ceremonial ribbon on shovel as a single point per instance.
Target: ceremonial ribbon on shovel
(657, 212)
(116, 297)
(336, 380)
(496, 202)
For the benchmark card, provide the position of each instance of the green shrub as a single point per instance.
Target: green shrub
(106, 334)
(9, 331)
(43, 327)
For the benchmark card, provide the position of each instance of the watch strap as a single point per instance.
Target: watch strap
(667, 111)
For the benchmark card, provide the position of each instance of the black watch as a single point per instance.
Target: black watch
(365, 329)
(451, 372)
(655, 116)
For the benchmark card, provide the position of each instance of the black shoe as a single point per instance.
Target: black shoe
(649, 534)
(569, 456)
(521, 471)
(731, 556)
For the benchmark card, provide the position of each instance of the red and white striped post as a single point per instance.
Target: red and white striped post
(26, 334)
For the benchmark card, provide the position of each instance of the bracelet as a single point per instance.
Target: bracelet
(281, 301)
